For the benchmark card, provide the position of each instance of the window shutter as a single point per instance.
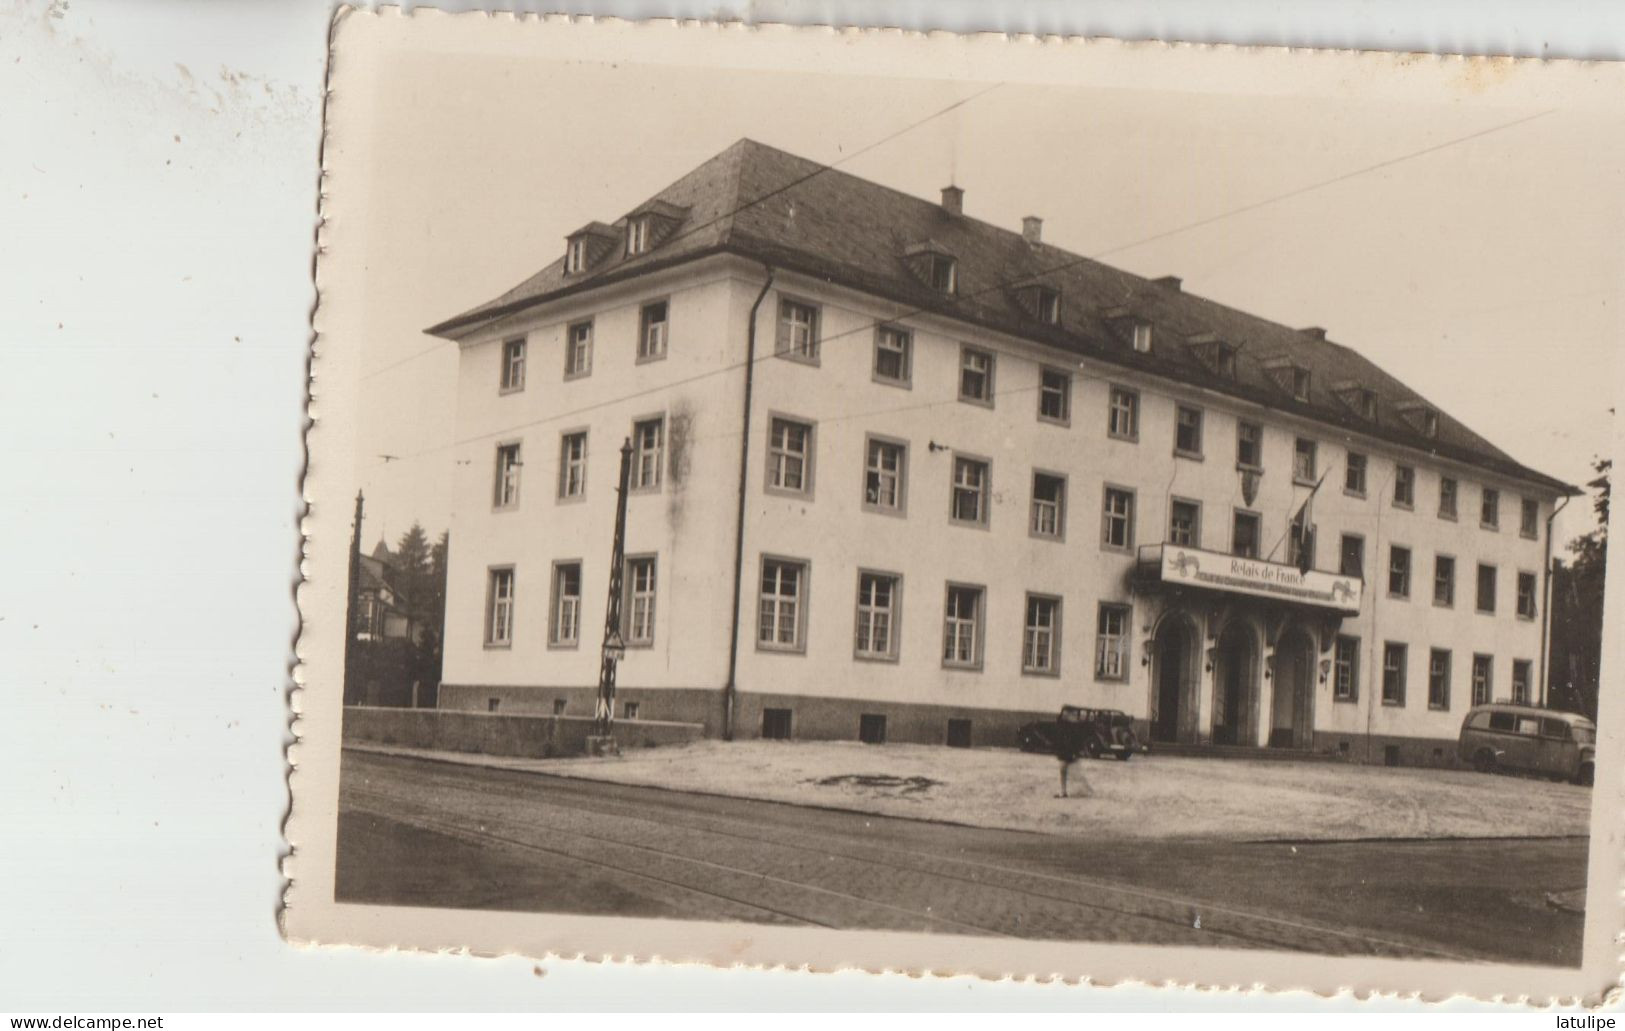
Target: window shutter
(781, 335)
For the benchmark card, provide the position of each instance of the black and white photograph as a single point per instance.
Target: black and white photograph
(1112, 510)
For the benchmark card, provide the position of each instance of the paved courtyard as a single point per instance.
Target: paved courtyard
(1150, 796)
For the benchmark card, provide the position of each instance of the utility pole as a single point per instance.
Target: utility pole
(614, 648)
(351, 604)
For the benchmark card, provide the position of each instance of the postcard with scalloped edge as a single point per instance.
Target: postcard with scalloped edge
(1035, 507)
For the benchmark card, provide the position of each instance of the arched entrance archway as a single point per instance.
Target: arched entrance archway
(1292, 700)
(1174, 680)
(1235, 685)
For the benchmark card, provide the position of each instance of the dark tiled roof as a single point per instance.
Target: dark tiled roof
(830, 224)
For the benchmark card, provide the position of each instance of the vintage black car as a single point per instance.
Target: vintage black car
(1079, 732)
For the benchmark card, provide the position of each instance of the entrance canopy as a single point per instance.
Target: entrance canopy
(1178, 566)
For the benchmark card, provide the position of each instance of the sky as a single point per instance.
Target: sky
(1468, 243)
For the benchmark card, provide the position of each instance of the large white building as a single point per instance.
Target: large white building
(900, 474)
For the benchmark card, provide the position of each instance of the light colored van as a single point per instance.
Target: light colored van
(1526, 739)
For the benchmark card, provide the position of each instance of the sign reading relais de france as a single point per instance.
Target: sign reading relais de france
(1264, 579)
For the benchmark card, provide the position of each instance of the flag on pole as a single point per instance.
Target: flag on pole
(1303, 527)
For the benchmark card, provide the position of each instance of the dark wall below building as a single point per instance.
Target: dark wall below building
(531, 737)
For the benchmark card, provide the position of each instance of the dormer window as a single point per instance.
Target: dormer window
(1424, 418)
(1218, 355)
(1300, 383)
(1362, 401)
(1289, 376)
(588, 246)
(1142, 336)
(637, 235)
(934, 265)
(1042, 302)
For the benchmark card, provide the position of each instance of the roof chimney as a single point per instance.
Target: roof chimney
(1314, 332)
(953, 200)
(1171, 282)
(1032, 229)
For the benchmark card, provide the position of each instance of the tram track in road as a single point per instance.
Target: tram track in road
(1105, 902)
(1098, 909)
(482, 837)
(710, 866)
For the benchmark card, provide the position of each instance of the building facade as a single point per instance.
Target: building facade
(898, 474)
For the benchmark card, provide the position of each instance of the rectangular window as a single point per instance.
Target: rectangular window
(1354, 474)
(1249, 445)
(1346, 669)
(637, 236)
(885, 463)
(1483, 679)
(941, 273)
(1188, 431)
(1185, 523)
(573, 465)
(1393, 673)
(1438, 679)
(1444, 580)
(781, 604)
(872, 728)
(894, 355)
(499, 608)
(507, 479)
(1142, 337)
(1399, 571)
(1526, 595)
(789, 456)
(1520, 681)
(797, 331)
(1039, 651)
(1112, 642)
(578, 350)
(975, 376)
(648, 453)
(1117, 519)
(1486, 588)
(1447, 497)
(652, 331)
(629, 710)
(1049, 506)
(565, 630)
(1123, 419)
(640, 600)
(877, 616)
(1489, 515)
(513, 364)
(1351, 559)
(575, 256)
(1054, 396)
(970, 494)
(1303, 461)
(962, 627)
(1529, 518)
(776, 724)
(1404, 486)
(1244, 534)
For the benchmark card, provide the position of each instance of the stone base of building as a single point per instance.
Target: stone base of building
(1389, 750)
(815, 718)
(521, 736)
(702, 705)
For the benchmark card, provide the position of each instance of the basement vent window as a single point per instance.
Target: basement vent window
(776, 724)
